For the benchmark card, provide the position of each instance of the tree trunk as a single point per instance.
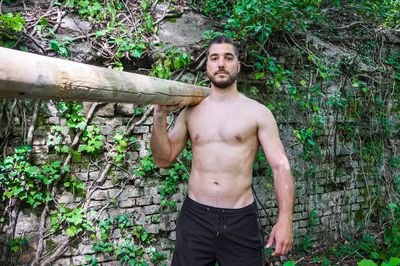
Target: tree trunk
(27, 75)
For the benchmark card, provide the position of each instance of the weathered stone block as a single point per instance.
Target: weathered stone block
(150, 191)
(151, 209)
(299, 208)
(125, 109)
(297, 216)
(129, 192)
(127, 203)
(96, 205)
(53, 121)
(148, 121)
(142, 201)
(65, 198)
(172, 235)
(79, 260)
(41, 150)
(63, 262)
(157, 199)
(107, 110)
(106, 130)
(141, 130)
(153, 228)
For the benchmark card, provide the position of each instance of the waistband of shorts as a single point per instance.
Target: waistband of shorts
(192, 204)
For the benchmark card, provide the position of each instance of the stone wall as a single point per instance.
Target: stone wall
(328, 205)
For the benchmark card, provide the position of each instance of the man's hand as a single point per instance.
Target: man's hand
(282, 236)
(166, 109)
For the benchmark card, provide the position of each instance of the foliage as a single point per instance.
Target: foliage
(176, 174)
(12, 22)
(136, 250)
(60, 46)
(169, 61)
(127, 42)
(72, 220)
(10, 27)
(93, 141)
(122, 143)
(17, 244)
(26, 182)
(386, 12)
(372, 251)
(213, 9)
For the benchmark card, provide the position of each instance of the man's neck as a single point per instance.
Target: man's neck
(226, 94)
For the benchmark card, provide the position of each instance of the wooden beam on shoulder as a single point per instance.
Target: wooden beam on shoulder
(27, 75)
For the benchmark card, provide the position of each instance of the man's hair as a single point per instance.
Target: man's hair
(220, 40)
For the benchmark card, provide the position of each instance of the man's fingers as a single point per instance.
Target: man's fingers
(270, 240)
(169, 108)
(182, 104)
(278, 249)
(282, 248)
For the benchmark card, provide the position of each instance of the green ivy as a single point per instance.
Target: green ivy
(26, 182)
(137, 249)
(72, 220)
(10, 27)
(170, 61)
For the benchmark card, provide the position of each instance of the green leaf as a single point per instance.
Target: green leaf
(137, 53)
(366, 262)
(289, 263)
(259, 75)
(177, 63)
(8, 194)
(71, 231)
(54, 45)
(394, 261)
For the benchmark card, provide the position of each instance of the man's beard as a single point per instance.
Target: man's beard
(223, 84)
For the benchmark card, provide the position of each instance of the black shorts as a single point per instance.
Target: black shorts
(206, 234)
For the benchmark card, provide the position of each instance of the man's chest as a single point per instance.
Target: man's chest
(221, 127)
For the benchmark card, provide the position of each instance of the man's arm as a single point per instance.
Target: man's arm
(282, 232)
(165, 145)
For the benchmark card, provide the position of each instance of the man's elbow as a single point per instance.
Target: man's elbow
(162, 163)
(283, 167)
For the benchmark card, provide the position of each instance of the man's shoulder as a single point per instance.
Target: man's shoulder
(255, 106)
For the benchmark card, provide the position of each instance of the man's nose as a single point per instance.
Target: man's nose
(221, 63)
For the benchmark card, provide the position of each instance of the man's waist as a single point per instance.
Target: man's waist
(192, 204)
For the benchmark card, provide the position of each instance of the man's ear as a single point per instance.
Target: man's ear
(238, 66)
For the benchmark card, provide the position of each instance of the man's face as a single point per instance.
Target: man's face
(222, 65)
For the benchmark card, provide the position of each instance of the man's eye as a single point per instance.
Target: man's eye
(229, 58)
(213, 58)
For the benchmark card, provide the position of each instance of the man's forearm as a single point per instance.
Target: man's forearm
(284, 190)
(159, 139)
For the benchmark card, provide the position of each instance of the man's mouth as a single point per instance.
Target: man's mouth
(219, 73)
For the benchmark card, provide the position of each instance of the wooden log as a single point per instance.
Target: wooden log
(27, 75)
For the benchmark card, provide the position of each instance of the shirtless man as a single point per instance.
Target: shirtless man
(218, 220)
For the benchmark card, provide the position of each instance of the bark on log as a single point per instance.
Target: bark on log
(27, 75)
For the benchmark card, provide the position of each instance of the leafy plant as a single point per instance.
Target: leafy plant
(26, 182)
(72, 220)
(171, 60)
(10, 25)
(93, 141)
(137, 249)
(17, 244)
(60, 46)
